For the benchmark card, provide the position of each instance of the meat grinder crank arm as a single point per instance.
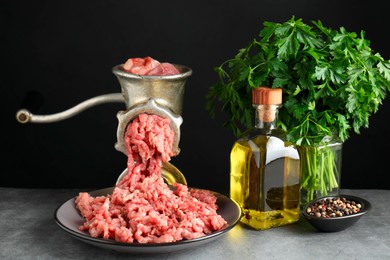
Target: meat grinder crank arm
(25, 116)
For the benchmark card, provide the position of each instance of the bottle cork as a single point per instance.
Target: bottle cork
(267, 96)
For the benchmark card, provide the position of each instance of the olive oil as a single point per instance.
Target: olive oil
(265, 169)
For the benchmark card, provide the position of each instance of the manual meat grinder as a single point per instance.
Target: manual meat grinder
(158, 95)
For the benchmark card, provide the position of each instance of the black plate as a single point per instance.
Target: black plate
(69, 219)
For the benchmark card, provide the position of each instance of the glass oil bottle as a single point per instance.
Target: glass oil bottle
(265, 168)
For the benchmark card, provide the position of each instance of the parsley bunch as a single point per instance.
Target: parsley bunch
(332, 80)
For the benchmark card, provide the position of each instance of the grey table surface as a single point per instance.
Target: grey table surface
(28, 231)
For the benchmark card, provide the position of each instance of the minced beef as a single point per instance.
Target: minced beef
(142, 207)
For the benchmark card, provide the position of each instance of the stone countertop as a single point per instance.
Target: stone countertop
(28, 231)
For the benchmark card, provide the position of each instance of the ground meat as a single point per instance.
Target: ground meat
(149, 67)
(142, 207)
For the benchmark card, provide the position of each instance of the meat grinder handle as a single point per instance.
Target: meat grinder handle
(25, 116)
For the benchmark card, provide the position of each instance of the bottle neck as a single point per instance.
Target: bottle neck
(266, 116)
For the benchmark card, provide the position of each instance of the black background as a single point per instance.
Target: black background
(56, 54)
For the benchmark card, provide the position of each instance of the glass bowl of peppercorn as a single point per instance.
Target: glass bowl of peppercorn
(335, 213)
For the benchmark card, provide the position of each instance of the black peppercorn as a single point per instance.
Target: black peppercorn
(331, 208)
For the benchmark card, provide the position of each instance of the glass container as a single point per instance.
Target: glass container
(320, 170)
(265, 168)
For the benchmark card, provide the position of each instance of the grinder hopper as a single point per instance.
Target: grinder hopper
(159, 95)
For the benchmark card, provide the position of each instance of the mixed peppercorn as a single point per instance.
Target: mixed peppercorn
(333, 207)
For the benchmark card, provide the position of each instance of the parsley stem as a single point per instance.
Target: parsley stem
(319, 171)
